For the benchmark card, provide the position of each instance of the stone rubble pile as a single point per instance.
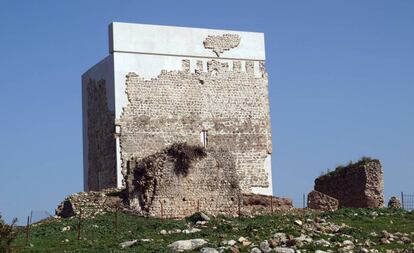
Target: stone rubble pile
(91, 203)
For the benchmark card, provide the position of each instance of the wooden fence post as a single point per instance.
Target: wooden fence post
(27, 230)
(271, 204)
(304, 201)
(79, 223)
(162, 209)
(238, 207)
(402, 200)
(116, 219)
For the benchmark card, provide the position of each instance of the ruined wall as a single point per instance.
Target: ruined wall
(157, 187)
(319, 201)
(101, 141)
(229, 103)
(357, 185)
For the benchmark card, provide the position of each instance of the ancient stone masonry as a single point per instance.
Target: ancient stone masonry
(102, 153)
(229, 108)
(92, 203)
(221, 43)
(177, 126)
(319, 201)
(394, 202)
(359, 185)
(181, 180)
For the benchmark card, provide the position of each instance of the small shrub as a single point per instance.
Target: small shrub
(184, 155)
(7, 235)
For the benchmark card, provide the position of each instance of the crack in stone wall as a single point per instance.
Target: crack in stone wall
(232, 106)
(221, 43)
(101, 141)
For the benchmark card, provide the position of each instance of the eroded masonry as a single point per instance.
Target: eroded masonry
(181, 122)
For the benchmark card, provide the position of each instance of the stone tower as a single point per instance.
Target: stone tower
(162, 85)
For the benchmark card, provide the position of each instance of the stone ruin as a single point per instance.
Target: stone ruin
(358, 185)
(179, 119)
(394, 202)
(319, 201)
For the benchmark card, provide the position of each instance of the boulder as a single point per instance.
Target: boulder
(184, 245)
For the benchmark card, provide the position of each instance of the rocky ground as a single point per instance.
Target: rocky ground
(345, 230)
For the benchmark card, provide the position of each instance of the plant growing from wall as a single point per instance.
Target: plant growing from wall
(142, 175)
(183, 155)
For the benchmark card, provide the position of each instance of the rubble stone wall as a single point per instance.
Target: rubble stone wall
(210, 185)
(319, 201)
(226, 102)
(101, 141)
(359, 185)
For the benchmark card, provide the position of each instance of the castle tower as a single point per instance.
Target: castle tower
(162, 85)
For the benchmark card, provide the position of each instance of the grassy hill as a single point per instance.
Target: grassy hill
(364, 228)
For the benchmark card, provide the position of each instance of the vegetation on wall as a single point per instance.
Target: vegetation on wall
(183, 155)
(341, 168)
(142, 175)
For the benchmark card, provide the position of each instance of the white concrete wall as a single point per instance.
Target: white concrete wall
(180, 41)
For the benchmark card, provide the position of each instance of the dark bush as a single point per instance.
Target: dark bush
(184, 155)
(7, 235)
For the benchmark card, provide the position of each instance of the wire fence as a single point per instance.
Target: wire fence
(407, 201)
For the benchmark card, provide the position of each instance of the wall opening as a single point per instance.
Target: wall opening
(203, 138)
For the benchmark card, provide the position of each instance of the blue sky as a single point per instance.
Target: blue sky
(341, 86)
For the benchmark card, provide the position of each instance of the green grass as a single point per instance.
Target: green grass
(99, 234)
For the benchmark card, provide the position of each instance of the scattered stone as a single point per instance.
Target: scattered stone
(406, 240)
(204, 217)
(273, 243)
(246, 243)
(231, 242)
(183, 245)
(298, 222)
(191, 230)
(255, 250)
(163, 232)
(363, 250)
(283, 250)
(67, 228)
(234, 249)
(265, 247)
(280, 237)
(128, 243)
(323, 242)
(208, 250)
(242, 239)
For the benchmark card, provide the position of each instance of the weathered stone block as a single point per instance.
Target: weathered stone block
(319, 201)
